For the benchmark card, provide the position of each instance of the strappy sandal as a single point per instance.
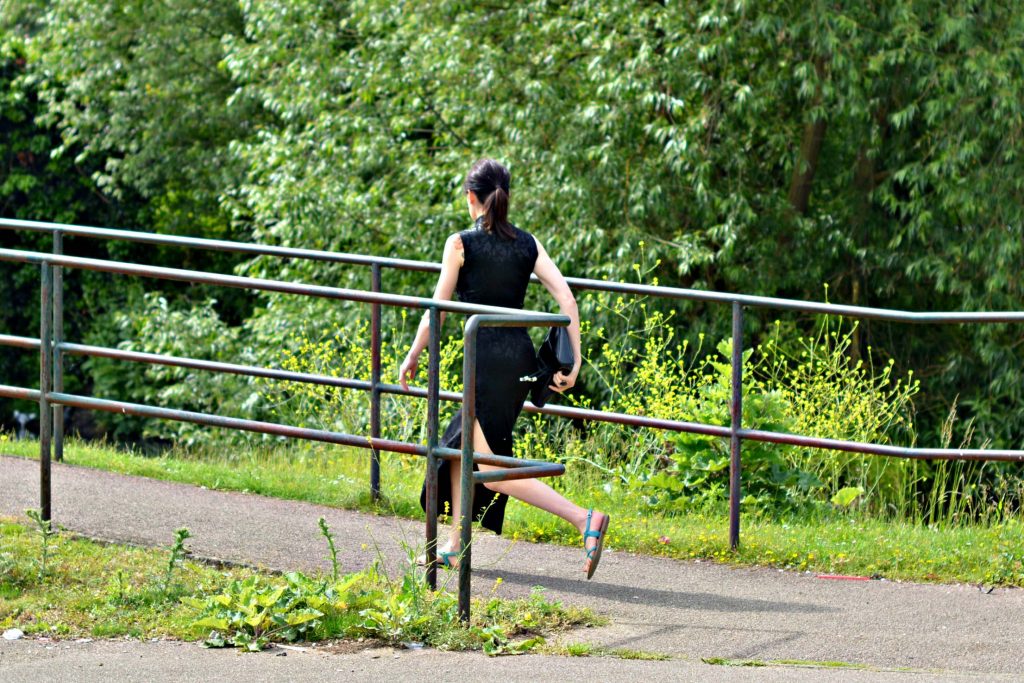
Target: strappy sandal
(445, 559)
(594, 554)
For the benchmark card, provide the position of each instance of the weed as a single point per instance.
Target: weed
(45, 531)
(590, 650)
(117, 588)
(174, 559)
(644, 655)
(254, 611)
(326, 532)
(579, 649)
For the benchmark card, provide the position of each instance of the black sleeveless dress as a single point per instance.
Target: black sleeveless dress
(495, 272)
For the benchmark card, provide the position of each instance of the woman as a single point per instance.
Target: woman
(491, 264)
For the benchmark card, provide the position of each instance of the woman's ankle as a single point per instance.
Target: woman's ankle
(595, 516)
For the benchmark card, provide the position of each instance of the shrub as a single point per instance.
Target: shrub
(809, 387)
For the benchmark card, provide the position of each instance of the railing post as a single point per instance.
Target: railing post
(375, 384)
(468, 420)
(58, 339)
(433, 408)
(736, 413)
(45, 376)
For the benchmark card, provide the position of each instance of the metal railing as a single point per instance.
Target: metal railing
(738, 302)
(51, 312)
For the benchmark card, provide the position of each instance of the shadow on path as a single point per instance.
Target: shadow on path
(655, 597)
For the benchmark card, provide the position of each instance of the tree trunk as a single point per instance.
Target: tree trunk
(863, 184)
(810, 151)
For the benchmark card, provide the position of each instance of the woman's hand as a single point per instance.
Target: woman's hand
(560, 382)
(407, 372)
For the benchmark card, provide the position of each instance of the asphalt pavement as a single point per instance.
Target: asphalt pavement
(690, 610)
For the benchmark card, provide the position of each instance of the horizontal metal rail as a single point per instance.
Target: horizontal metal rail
(783, 438)
(530, 468)
(19, 342)
(217, 245)
(362, 385)
(19, 393)
(857, 312)
(239, 282)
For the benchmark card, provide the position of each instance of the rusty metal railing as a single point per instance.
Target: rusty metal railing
(738, 302)
(49, 398)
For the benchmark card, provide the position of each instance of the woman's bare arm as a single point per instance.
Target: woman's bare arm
(549, 275)
(451, 262)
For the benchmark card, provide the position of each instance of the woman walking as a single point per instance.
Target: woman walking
(491, 264)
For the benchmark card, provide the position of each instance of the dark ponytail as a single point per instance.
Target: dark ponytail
(490, 182)
(496, 214)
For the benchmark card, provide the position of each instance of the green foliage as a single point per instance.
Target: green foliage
(808, 387)
(326, 533)
(149, 96)
(174, 559)
(678, 125)
(153, 324)
(34, 185)
(750, 146)
(45, 532)
(97, 590)
(254, 612)
(845, 497)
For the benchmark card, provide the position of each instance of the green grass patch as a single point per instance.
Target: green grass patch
(807, 663)
(845, 542)
(590, 650)
(96, 590)
(88, 589)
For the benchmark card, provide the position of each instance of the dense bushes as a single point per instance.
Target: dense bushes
(764, 147)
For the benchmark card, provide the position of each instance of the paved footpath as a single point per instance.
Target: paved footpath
(689, 610)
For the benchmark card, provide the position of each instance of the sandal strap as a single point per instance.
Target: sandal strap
(591, 533)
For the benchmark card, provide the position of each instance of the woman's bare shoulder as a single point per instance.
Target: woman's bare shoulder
(454, 241)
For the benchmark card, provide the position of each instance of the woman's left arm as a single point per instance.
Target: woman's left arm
(451, 262)
(549, 275)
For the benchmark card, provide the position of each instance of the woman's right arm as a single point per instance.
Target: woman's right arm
(451, 262)
(549, 275)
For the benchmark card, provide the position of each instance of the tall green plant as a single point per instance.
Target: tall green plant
(45, 531)
(808, 385)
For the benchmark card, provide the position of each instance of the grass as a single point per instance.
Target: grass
(590, 650)
(97, 590)
(847, 543)
(722, 661)
(89, 589)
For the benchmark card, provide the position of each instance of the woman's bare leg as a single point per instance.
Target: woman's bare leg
(531, 491)
(454, 539)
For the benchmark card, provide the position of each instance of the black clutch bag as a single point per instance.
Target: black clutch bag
(554, 355)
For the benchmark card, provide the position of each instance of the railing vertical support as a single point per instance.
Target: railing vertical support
(468, 420)
(45, 377)
(433, 408)
(736, 413)
(58, 339)
(375, 384)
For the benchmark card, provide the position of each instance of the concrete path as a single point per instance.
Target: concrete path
(690, 610)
